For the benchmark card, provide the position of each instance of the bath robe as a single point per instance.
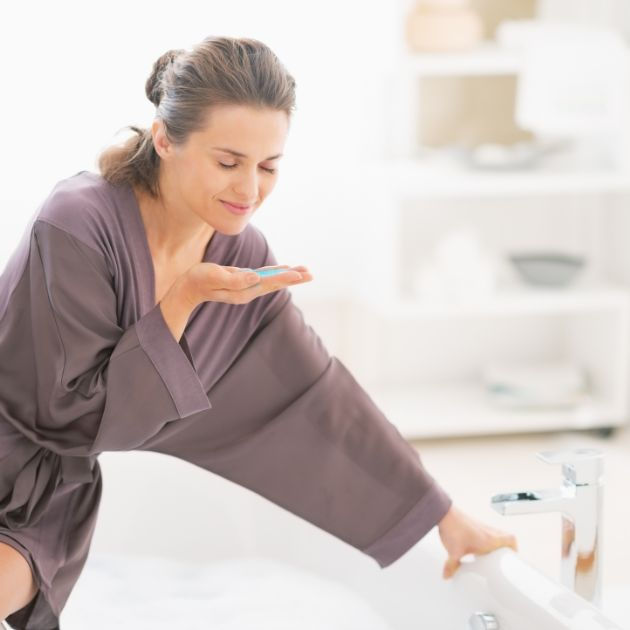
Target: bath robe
(250, 393)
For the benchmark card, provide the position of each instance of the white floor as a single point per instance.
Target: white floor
(472, 469)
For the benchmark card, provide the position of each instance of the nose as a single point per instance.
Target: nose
(246, 186)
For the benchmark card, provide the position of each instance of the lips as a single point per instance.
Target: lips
(238, 206)
(237, 210)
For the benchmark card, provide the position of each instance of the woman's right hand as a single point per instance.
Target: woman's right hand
(219, 283)
(461, 535)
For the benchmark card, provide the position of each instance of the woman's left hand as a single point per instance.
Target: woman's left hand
(461, 534)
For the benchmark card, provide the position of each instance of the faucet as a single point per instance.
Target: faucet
(579, 499)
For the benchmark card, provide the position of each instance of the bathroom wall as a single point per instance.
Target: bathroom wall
(77, 77)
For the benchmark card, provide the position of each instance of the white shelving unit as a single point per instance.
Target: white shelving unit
(454, 409)
(517, 300)
(422, 361)
(440, 177)
(488, 59)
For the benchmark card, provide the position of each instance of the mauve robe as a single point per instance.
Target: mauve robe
(88, 364)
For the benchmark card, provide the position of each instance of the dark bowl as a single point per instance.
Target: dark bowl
(547, 269)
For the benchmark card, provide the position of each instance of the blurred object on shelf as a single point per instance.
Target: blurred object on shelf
(459, 270)
(494, 12)
(517, 156)
(536, 384)
(553, 269)
(517, 34)
(573, 84)
(443, 25)
(468, 111)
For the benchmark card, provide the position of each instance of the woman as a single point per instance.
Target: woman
(129, 321)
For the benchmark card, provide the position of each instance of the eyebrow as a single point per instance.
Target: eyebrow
(273, 157)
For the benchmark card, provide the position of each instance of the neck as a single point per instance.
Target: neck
(171, 229)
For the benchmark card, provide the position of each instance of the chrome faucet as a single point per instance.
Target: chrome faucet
(579, 499)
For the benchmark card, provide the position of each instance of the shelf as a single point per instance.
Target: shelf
(464, 409)
(518, 300)
(594, 331)
(420, 178)
(489, 58)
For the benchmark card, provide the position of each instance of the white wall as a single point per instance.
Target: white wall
(74, 72)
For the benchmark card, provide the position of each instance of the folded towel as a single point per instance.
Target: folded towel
(545, 384)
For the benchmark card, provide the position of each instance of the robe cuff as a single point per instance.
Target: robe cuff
(172, 363)
(416, 523)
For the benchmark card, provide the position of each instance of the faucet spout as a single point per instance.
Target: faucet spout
(535, 501)
(579, 499)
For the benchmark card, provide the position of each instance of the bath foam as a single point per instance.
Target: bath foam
(138, 592)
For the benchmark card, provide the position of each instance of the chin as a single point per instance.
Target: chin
(235, 227)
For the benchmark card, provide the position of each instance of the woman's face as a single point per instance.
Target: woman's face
(204, 172)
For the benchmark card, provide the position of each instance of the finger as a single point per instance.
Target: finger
(244, 280)
(306, 277)
(263, 287)
(222, 277)
(267, 284)
(502, 537)
(497, 541)
(450, 567)
(274, 282)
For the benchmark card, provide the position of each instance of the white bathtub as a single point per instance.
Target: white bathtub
(185, 566)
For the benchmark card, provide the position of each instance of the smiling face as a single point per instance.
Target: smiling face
(203, 173)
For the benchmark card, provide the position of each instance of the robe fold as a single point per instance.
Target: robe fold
(250, 393)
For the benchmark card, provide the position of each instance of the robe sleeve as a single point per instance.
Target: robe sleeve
(298, 429)
(98, 385)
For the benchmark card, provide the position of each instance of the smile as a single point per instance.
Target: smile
(236, 209)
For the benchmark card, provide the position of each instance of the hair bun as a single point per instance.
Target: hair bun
(153, 87)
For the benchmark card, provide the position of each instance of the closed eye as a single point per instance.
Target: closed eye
(269, 170)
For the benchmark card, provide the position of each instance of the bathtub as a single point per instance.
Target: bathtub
(239, 561)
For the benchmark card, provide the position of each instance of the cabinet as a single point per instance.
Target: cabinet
(422, 360)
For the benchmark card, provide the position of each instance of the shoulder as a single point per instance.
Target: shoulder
(81, 205)
(66, 230)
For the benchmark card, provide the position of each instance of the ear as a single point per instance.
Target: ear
(161, 143)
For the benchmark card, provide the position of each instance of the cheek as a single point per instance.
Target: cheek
(195, 179)
(214, 182)
(267, 186)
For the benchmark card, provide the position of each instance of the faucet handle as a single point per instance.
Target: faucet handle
(581, 466)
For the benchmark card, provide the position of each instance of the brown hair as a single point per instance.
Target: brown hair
(184, 85)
